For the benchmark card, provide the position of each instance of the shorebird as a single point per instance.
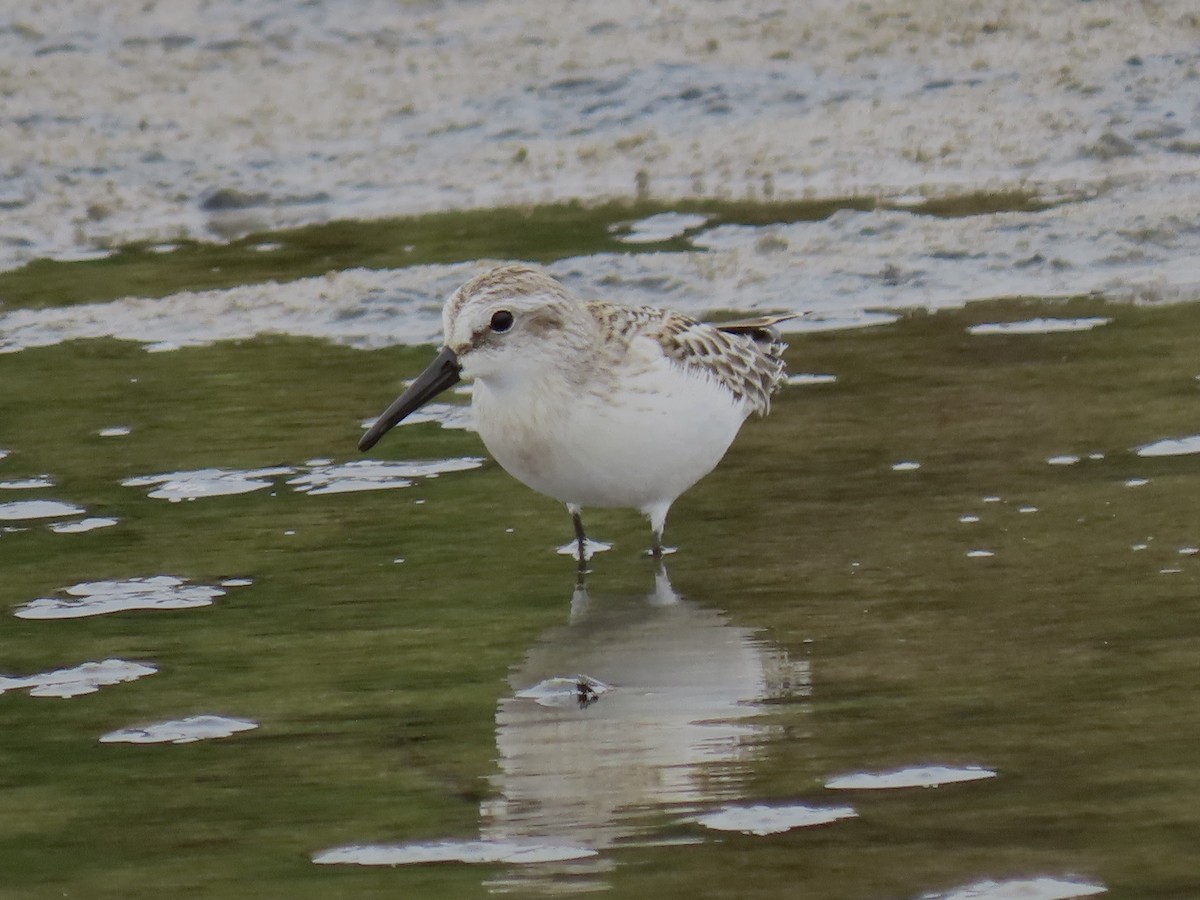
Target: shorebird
(596, 404)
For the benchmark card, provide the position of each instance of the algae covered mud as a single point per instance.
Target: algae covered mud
(931, 631)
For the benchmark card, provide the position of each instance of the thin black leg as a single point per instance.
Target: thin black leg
(580, 539)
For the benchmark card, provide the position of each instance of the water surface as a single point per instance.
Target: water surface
(823, 618)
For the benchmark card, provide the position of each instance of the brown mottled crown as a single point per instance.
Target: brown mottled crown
(504, 282)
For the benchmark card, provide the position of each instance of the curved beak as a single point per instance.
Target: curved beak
(442, 373)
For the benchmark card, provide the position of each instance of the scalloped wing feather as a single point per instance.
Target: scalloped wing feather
(746, 356)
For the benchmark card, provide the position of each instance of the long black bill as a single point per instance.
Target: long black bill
(442, 373)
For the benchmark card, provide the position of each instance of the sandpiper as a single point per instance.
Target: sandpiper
(596, 404)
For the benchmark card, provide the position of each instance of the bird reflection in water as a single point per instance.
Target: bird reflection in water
(637, 711)
(666, 715)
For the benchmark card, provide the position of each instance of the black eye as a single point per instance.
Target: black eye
(502, 320)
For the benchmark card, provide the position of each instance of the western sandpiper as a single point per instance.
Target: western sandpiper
(596, 404)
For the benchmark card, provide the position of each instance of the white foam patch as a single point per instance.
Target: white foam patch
(191, 485)
(180, 731)
(37, 509)
(453, 416)
(1044, 888)
(765, 819)
(906, 466)
(1136, 482)
(968, 519)
(979, 554)
(811, 378)
(1171, 447)
(40, 481)
(916, 776)
(1062, 460)
(115, 431)
(660, 227)
(86, 678)
(97, 598)
(89, 524)
(374, 475)
(580, 690)
(1039, 326)
(452, 851)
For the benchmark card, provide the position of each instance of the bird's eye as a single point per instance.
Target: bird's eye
(502, 320)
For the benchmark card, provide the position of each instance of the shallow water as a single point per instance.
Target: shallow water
(931, 630)
(861, 608)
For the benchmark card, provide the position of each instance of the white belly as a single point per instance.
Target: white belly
(664, 431)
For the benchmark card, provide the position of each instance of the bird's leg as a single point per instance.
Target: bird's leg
(657, 514)
(656, 546)
(580, 537)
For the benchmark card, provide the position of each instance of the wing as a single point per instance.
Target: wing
(761, 328)
(745, 356)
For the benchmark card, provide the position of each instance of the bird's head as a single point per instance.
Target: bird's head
(502, 327)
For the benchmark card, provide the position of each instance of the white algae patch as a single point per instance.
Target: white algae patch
(96, 598)
(917, 776)
(177, 486)
(1039, 326)
(1044, 888)
(37, 509)
(86, 678)
(1171, 447)
(765, 819)
(317, 476)
(41, 481)
(372, 475)
(453, 416)
(179, 731)
(90, 524)
(660, 227)
(530, 851)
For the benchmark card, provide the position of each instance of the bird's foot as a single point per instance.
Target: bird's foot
(660, 552)
(583, 551)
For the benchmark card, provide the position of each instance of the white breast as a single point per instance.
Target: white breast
(634, 441)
